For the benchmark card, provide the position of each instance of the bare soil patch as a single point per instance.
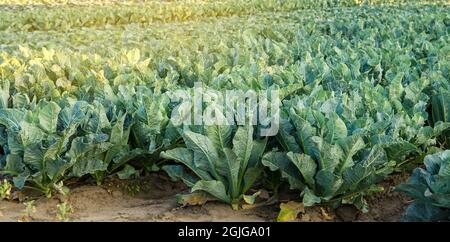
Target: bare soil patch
(153, 199)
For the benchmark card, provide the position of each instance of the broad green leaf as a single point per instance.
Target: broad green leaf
(11, 118)
(55, 169)
(233, 166)
(258, 148)
(306, 165)
(422, 212)
(220, 135)
(47, 115)
(286, 139)
(250, 177)
(335, 129)
(350, 145)
(34, 156)
(176, 172)
(279, 161)
(328, 183)
(399, 150)
(185, 157)
(243, 144)
(84, 167)
(242, 147)
(309, 198)
(203, 146)
(127, 172)
(214, 188)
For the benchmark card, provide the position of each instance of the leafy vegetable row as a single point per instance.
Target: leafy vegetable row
(66, 17)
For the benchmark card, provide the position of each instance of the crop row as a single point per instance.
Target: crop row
(67, 17)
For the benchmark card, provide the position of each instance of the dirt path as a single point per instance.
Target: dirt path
(153, 199)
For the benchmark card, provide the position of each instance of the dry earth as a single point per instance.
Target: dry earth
(153, 199)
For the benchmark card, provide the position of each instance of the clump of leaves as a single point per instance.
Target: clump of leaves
(5, 189)
(224, 165)
(430, 189)
(332, 172)
(56, 141)
(440, 104)
(63, 212)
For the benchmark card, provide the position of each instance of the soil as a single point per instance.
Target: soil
(153, 199)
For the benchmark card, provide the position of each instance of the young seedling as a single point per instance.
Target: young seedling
(64, 210)
(5, 190)
(30, 209)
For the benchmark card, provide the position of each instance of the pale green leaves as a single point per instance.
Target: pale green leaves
(47, 114)
(335, 129)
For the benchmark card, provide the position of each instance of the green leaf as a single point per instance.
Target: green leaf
(176, 172)
(350, 145)
(47, 114)
(34, 156)
(30, 134)
(11, 118)
(233, 166)
(424, 135)
(329, 155)
(422, 212)
(309, 198)
(243, 144)
(399, 150)
(204, 147)
(279, 161)
(220, 135)
(84, 167)
(55, 169)
(306, 165)
(251, 175)
(259, 146)
(335, 129)
(186, 157)
(214, 188)
(440, 104)
(119, 135)
(127, 172)
(328, 183)
(286, 139)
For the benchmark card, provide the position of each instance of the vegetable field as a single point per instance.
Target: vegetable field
(255, 109)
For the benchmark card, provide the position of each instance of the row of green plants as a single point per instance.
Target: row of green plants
(315, 52)
(325, 150)
(65, 17)
(360, 100)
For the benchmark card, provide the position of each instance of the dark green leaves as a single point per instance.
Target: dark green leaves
(430, 189)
